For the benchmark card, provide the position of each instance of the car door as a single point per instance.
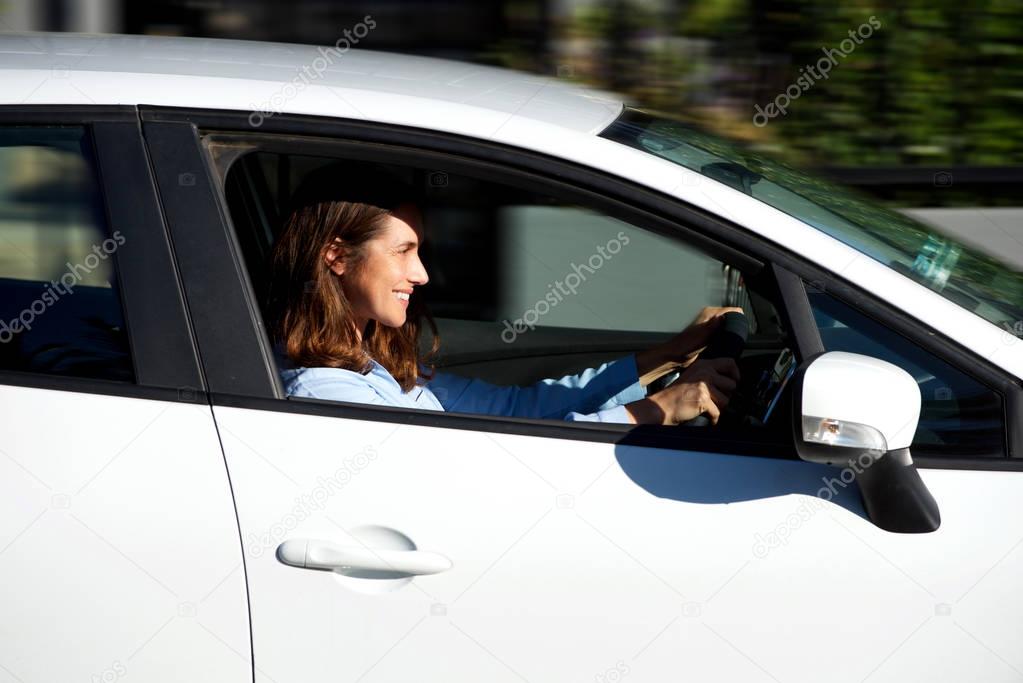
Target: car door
(119, 553)
(467, 547)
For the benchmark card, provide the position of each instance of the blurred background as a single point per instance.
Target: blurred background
(921, 110)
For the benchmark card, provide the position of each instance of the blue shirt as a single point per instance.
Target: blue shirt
(594, 395)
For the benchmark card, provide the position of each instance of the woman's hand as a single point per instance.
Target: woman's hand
(704, 387)
(682, 349)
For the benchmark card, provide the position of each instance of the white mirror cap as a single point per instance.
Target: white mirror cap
(852, 388)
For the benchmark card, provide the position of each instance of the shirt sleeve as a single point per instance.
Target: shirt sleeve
(594, 395)
(616, 414)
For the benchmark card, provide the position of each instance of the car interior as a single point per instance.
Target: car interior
(493, 252)
(81, 338)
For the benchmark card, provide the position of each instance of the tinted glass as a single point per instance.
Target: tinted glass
(60, 311)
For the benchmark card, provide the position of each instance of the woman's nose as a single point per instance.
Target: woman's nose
(418, 275)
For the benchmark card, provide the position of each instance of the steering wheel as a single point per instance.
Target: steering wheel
(728, 341)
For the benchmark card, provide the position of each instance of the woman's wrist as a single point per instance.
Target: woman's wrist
(646, 411)
(651, 364)
(663, 358)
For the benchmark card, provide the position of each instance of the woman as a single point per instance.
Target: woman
(347, 319)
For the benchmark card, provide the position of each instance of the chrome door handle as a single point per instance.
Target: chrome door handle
(346, 559)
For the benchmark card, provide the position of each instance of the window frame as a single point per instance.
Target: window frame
(164, 358)
(179, 128)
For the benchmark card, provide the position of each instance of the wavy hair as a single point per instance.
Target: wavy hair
(310, 315)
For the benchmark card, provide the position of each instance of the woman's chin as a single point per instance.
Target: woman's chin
(393, 321)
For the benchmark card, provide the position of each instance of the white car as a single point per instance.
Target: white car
(169, 515)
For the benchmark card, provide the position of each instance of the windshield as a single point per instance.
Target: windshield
(970, 278)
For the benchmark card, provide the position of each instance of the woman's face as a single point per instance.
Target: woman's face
(379, 288)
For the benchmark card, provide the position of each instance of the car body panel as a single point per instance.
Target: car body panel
(571, 559)
(118, 543)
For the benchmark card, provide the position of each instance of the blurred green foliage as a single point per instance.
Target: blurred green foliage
(939, 83)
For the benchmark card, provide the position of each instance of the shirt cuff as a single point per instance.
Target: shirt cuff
(616, 414)
(635, 391)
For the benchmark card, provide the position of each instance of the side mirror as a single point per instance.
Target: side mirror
(860, 413)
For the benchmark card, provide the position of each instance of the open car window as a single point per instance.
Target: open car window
(508, 266)
(525, 286)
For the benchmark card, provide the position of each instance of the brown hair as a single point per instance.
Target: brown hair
(310, 314)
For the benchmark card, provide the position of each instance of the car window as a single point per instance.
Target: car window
(524, 285)
(506, 263)
(60, 312)
(959, 416)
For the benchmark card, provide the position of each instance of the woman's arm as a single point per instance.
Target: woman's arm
(596, 394)
(606, 387)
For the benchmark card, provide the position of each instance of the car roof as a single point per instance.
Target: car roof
(271, 78)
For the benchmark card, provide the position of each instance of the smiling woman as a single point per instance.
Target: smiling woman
(346, 318)
(343, 273)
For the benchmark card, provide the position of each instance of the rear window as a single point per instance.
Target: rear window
(60, 311)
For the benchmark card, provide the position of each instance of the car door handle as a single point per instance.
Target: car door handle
(346, 559)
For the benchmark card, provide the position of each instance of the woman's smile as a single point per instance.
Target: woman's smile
(391, 257)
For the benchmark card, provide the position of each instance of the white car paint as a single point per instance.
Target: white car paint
(844, 386)
(569, 559)
(118, 542)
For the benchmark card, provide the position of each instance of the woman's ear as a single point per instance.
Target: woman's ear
(333, 256)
